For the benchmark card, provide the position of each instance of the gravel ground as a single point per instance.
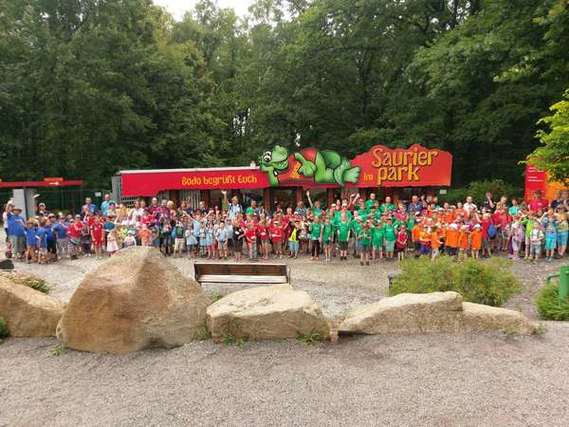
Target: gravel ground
(434, 380)
(419, 380)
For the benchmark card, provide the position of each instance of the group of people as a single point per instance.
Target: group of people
(368, 229)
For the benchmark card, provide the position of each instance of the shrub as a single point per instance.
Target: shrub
(548, 304)
(3, 329)
(483, 282)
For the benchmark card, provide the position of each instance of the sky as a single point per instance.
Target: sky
(178, 7)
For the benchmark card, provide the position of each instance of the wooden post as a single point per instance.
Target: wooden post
(299, 194)
(330, 197)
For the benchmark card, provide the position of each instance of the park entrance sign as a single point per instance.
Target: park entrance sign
(378, 167)
(279, 168)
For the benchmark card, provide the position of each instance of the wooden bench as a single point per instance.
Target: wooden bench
(263, 274)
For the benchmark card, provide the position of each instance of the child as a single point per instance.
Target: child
(316, 237)
(435, 242)
(62, 242)
(145, 235)
(237, 240)
(130, 239)
(210, 240)
(364, 239)
(179, 238)
(41, 237)
(264, 236)
(276, 234)
(550, 226)
(202, 238)
(165, 238)
(463, 242)
(343, 230)
(416, 237)
(191, 241)
(536, 239)
(31, 241)
(96, 229)
(221, 237)
(327, 239)
(86, 239)
(451, 239)
(517, 237)
(401, 242)
(293, 245)
(377, 241)
(251, 237)
(476, 240)
(425, 240)
(528, 223)
(390, 238)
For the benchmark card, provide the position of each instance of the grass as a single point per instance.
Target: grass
(232, 340)
(202, 334)
(28, 280)
(3, 330)
(311, 338)
(215, 296)
(58, 350)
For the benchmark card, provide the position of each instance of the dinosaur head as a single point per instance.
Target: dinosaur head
(277, 158)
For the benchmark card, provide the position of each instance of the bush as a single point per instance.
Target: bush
(483, 282)
(478, 190)
(548, 304)
(3, 329)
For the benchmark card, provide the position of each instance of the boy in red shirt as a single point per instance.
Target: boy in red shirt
(277, 232)
(251, 238)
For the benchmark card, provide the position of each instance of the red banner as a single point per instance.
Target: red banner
(415, 166)
(150, 183)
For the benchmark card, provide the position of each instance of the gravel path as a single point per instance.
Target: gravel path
(487, 379)
(417, 380)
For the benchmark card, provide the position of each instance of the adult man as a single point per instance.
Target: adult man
(89, 206)
(469, 205)
(233, 208)
(106, 204)
(537, 204)
(315, 207)
(16, 230)
(388, 206)
(415, 206)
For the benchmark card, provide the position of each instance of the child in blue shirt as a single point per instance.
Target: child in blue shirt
(31, 241)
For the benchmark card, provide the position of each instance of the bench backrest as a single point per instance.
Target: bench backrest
(241, 273)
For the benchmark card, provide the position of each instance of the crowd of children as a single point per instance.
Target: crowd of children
(368, 229)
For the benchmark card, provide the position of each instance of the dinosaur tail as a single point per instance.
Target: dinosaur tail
(346, 173)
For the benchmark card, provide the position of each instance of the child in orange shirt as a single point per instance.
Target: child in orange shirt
(451, 239)
(435, 242)
(425, 240)
(463, 242)
(416, 237)
(476, 240)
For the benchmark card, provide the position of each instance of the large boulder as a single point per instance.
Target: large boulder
(483, 318)
(135, 300)
(269, 312)
(27, 312)
(407, 314)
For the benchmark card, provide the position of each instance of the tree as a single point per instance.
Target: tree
(553, 155)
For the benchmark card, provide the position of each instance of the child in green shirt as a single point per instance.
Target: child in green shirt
(343, 229)
(364, 238)
(316, 237)
(389, 237)
(377, 240)
(327, 230)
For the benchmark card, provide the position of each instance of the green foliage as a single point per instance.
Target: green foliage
(553, 156)
(4, 333)
(91, 87)
(28, 280)
(202, 333)
(483, 282)
(58, 350)
(232, 340)
(215, 296)
(548, 304)
(478, 190)
(311, 338)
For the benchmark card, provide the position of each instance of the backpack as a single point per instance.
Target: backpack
(492, 232)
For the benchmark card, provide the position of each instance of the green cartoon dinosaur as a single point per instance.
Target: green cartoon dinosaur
(326, 167)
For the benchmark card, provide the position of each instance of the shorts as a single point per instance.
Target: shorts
(378, 247)
(536, 250)
(389, 245)
(43, 250)
(179, 244)
(364, 249)
(237, 244)
(562, 238)
(293, 246)
(343, 246)
(18, 244)
(191, 240)
(550, 242)
(51, 247)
